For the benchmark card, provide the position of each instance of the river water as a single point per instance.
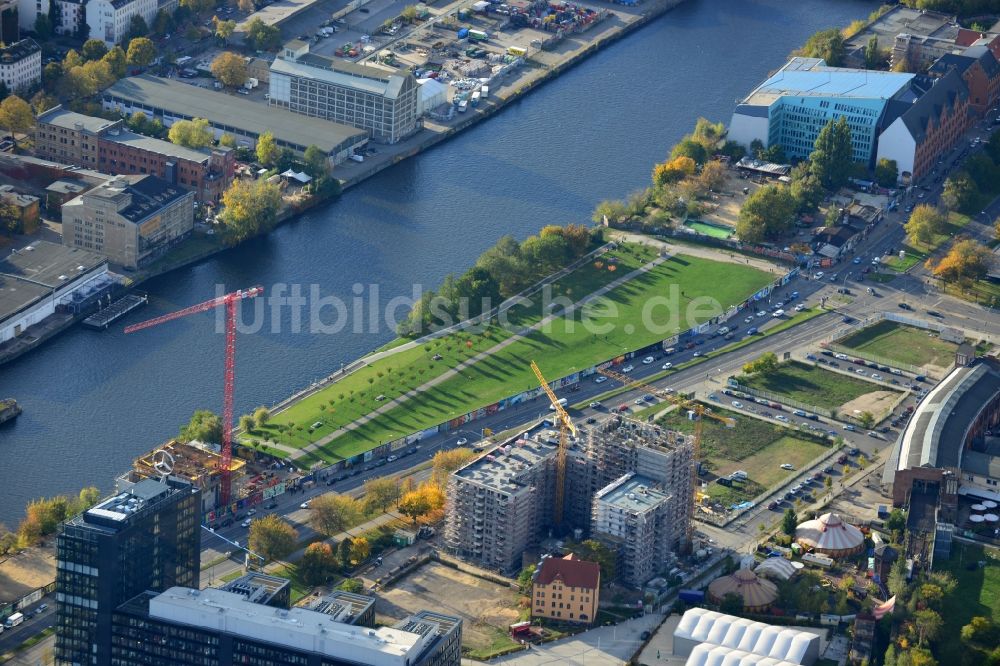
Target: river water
(92, 401)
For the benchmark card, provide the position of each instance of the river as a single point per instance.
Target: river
(92, 401)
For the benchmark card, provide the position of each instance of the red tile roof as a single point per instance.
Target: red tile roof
(572, 571)
(967, 37)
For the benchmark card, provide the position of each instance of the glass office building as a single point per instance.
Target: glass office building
(144, 538)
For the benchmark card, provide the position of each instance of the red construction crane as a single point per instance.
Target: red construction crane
(229, 301)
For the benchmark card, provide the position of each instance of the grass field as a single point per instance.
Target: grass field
(715, 231)
(755, 446)
(358, 393)
(811, 385)
(567, 345)
(978, 593)
(905, 344)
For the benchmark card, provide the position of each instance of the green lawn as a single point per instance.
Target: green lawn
(983, 292)
(811, 385)
(358, 393)
(568, 345)
(918, 252)
(978, 593)
(755, 446)
(905, 344)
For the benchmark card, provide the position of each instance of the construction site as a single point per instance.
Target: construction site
(502, 506)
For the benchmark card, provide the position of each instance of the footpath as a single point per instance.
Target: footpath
(430, 384)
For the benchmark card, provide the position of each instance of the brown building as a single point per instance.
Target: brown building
(980, 71)
(566, 589)
(130, 220)
(27, 207)
(107, 146)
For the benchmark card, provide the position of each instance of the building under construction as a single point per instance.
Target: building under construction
(502, 504)
(197, 465)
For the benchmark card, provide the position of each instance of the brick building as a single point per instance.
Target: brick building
(106, 146)
(566, 589)
(981, 72)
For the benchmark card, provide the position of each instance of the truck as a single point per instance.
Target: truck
(475, 98)
(485, 91)
(251, 83)
(518, 51)
(357, 158)
(691, 596)
(463, 106)
(562, 403)
(478, 36)
(14, 620)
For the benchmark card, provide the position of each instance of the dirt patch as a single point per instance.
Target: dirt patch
(724, 207)
(484, 607)
(875, 402)
(26, 571)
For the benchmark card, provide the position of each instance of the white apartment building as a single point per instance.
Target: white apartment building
(21, 64)
(109, 20)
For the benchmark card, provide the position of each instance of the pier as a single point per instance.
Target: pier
(102, 319)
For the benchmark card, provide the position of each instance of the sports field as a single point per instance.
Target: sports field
(904, 344)
(650, 307)
(757, 447)
(811, 385)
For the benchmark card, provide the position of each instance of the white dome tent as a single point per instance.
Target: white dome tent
(829, 535)
(776, 568)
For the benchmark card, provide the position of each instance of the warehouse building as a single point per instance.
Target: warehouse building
(107, 146)
(43, 278)
(382, 100)
(792, 106)
(170, 101)
(707, 637)
(131, 220)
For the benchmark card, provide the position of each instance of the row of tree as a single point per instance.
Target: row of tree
(43, 517)
(505, 269)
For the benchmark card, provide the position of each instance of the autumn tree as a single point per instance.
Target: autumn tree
(230, 69)
(713, 176)
(227, 140)
(267, 149)
(93, 49)
(980, 630)
(272, 538)
(764, 364)
(262, 37)
(423, 500)
(380, 493)
(246, 6)
(960, 193)
(247, 423)
(15, 115)
(317, 563)
(331, 514)
(224, 30)
(250, 208)
(612, 209)
(967, 261)
(204, 426)
(360, 550)
(191, 133)
(689, 147)
(673, 170)
(261, 415)
(826, 44)
(117, 61)
(141, 52)
(924, 224)
(886, 172)
(446, 462)
(767, 213)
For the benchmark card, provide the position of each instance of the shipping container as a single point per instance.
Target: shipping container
(462, 33)
(519, 51)
(691, 596)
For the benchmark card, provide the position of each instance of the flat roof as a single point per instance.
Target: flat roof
(182, 100)
(811, 77)
(342, 606)
(48, 264)
(376, 79)
(501, 467)
(60, 117)
(114, 513)
(632, 492)
(159, 146)
(297, 628)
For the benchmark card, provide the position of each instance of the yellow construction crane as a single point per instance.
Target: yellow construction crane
(684, 403)
(566, 428)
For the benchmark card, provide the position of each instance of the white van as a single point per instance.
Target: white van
(739, 475)
(14, 620)
(562, 403)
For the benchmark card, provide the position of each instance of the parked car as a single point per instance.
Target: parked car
(600, 380)
(461, 441)
(648, 360)
(667, 366)
(304, 505)
(596, 404)
(628, 368)
(245, 523)
(788, 466)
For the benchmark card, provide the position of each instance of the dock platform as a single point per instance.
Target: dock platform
(103, 318)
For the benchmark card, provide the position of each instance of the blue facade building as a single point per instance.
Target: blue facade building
(792, 106)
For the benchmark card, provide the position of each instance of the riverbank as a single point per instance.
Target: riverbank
(543, 66)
